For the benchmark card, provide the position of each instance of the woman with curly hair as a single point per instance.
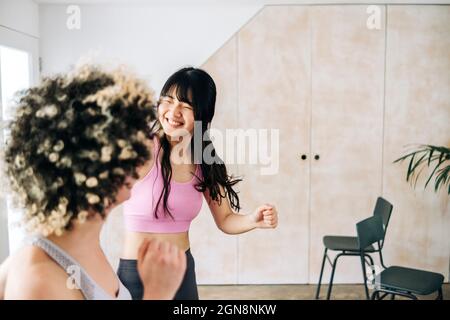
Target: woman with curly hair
(76, 145)
(185, 169)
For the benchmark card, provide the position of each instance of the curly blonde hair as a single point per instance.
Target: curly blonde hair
(74, 140)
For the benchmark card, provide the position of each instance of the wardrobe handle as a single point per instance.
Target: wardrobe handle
(317, 157)
(303, 156)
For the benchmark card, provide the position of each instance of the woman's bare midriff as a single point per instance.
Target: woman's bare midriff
(133, 241)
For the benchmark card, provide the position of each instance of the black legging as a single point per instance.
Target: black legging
(129, 276)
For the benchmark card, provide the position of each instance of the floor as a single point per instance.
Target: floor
(288, 292)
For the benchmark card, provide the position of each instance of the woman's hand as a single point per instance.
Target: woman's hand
(161, 266)
(265, 217)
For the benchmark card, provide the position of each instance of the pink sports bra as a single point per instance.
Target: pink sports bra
(184, 202)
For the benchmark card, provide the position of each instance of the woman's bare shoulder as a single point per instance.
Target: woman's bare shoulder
(32, 274)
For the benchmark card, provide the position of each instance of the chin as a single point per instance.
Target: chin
(176, 132)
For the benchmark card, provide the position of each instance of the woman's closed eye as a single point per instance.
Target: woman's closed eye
(166, 100)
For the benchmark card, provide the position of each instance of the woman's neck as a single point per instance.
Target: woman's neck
(178, 140)
(180, 150)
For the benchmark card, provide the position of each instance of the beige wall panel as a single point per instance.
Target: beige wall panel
(347, 115)
(274, 93)
(417, 111)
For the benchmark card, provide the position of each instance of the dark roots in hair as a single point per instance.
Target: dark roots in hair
(74, 140)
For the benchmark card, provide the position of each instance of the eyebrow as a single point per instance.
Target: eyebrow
(169, 96)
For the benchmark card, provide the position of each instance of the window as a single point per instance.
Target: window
(15, 75)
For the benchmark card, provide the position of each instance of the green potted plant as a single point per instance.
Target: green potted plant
(425, 156)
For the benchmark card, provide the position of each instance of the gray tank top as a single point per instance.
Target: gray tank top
(88, 287)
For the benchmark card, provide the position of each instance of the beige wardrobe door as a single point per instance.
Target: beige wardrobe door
(347, 117)
(274, 93)
(417, 111)
(216, 252)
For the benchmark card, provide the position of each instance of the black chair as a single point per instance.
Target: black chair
(395, 281)
(348, 246)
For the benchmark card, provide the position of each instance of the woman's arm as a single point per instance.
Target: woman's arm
(41, 281)
(265, 216)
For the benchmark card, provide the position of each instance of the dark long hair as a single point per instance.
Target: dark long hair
(197, 88)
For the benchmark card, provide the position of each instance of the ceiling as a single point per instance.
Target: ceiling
(237, 2)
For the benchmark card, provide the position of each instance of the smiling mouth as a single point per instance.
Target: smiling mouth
(174, 123)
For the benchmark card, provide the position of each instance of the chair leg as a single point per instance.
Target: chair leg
(363, 264)
(371, 261)
(383, 296)
(440, 295)
(409, 295)
(321, 273)
(381, 260)
(374, 295)
(330, 286)
(373, 272)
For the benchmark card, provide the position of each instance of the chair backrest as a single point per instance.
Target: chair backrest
(369, 231)
(383, 208)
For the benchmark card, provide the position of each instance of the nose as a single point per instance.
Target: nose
(175, 110)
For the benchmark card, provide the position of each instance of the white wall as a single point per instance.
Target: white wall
(155, 40)
(155, 37)
(20, 15)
